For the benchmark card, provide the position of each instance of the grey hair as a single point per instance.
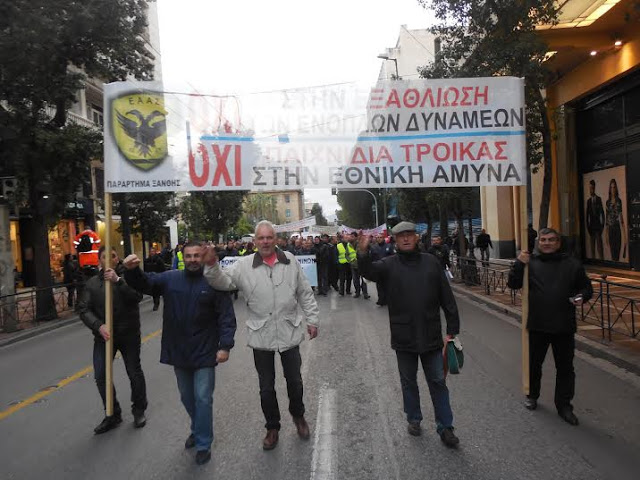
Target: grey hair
(265, 223)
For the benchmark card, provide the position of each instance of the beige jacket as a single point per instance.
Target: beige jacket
(273, 295)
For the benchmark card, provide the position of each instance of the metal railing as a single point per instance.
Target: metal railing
(492, 276)
(19, 310)
(614, 307)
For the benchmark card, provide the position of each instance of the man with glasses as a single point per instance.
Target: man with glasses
(558, 284)
(126, 338)
(276, 290)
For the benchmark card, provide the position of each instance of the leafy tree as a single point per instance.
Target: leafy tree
(483, 38)
(357, 209)
(316, 210)
(208, 214)
(149, 212)
(47, 48)
(243, 227)
(261, 206)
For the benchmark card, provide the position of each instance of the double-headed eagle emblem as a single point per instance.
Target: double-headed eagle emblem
(140, 128)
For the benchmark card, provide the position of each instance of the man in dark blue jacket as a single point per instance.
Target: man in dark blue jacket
(197, 333)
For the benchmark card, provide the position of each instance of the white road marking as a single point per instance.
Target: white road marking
(324, 464)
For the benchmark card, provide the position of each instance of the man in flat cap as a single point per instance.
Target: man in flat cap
(416, 288)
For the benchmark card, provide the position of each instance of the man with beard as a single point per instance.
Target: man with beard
(197, 334)
(276, 290)
(417, 289)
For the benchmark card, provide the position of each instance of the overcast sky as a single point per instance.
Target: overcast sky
(253, 46)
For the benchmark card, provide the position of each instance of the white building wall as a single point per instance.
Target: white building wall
(414, 48)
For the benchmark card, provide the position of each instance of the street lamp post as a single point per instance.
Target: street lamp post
(385, 56)
(375, 200)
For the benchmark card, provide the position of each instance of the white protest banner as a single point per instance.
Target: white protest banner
(307, 262)
(372, 231)
(309, 267)
(295, 226)
(401, 133)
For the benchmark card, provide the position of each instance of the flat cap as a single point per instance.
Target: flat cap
(403, 227)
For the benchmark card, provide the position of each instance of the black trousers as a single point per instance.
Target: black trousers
(563, 346)
(129, 347)
(382, 293)
(358, 282)
(344, 273)
(265, 366)
(323, 278)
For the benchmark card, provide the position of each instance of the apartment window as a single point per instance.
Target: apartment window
(288, 213)
(97, 117)
(287, 199)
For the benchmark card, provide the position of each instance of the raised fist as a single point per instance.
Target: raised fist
(132, 261)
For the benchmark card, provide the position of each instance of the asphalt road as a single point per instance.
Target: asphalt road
(353, 399)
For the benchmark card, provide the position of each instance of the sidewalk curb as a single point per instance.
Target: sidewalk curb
(39, 330)
(48, 327)
(583, 344)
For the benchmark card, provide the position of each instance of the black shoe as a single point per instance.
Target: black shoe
(139, 420)
(530, 403)
(341, 294)
(414, 429)
(367, 297)
(203, 456)
(357, 295)
(190, 442)
(448, 438)
(568, 416)
(108, 423)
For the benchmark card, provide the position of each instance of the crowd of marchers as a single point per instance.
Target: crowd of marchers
(199, 321)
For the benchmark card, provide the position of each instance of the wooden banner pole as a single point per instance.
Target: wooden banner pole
(108, 310)
(524, 246)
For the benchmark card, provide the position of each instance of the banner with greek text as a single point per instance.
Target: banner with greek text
(372, 231)
(295, 226)
(401, 133)
(307, 262)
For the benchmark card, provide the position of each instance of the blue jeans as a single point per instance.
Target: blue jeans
(433, 366)
(196, 392)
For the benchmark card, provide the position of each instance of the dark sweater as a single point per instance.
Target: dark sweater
(553, 280)
(416, 288)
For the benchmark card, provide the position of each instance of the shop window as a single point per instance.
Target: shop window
(604, 118)
(632, 107)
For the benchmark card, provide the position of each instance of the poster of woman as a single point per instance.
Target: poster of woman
(605, 208)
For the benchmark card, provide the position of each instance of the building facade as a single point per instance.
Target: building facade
(594, 105)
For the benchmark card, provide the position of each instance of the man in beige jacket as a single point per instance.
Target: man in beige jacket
(274, 286)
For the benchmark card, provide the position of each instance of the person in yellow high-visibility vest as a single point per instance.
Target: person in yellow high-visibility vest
(178, 260)
(346, 255)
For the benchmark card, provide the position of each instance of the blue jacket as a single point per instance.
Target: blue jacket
(197, 320)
